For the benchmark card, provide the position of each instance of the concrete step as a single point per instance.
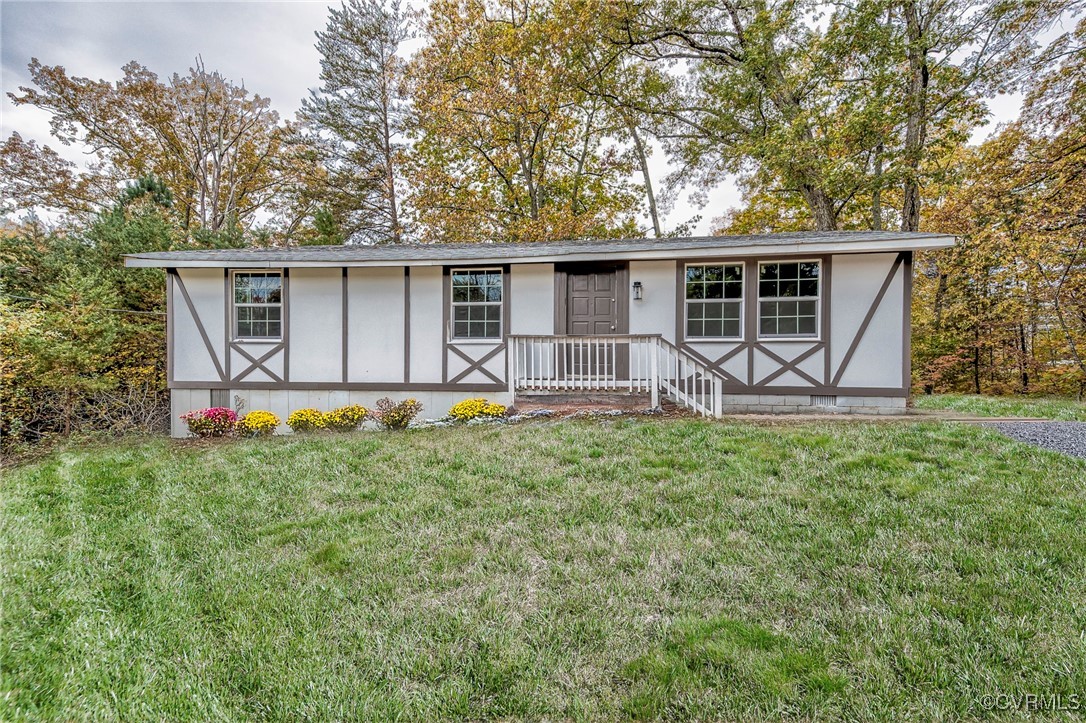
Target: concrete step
(611, 400)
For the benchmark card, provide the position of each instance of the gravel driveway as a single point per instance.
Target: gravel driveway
(1066, 437)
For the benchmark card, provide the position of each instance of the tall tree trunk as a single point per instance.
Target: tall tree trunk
(976, 360)
(643, 161)
(389, 151)
(390, 185)
(940, 301)
(821, 206)
(916, 120)
(876, 192)
(1022, 359)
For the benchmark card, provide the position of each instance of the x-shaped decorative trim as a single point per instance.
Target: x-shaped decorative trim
(716, 366)
(790, 366)
(257, 363)
(476, 364)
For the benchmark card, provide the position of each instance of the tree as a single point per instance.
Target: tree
(69, 348)
(212, 144)
(625, 85)
(355, 120)
(839, 113)
(1006, 308)
(755, 100)
(959, 52)
(83, 337)
(32, 176)
(508, 144)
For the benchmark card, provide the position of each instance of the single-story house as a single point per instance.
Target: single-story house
(776, 322)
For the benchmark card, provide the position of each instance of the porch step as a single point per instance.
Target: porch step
(594, 399)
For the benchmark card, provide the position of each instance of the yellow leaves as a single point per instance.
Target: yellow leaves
(215, 146)
(509, 146)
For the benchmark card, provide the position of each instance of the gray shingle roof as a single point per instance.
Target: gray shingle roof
(407, 253)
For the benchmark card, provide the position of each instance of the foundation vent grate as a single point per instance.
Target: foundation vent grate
(824, 401)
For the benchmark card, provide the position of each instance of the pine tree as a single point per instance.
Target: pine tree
(354, 120)
(71, 346)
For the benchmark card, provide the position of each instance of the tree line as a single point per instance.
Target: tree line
(535, 120)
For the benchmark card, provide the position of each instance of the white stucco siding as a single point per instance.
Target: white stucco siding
(315, 305)
(183, 401)
(655, 312)
(854, 284)
(375, 323)
(531, 298)
(207, 290)
(427, 336)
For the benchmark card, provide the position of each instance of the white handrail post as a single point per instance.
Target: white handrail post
(718, 400)
(655, 372)
(511, 370)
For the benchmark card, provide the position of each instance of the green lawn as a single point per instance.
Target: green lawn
(981, 406)
(586, 570)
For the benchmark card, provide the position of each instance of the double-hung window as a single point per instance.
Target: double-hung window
(788, 299)
(476, 303)
(714, 301)
(258, 305)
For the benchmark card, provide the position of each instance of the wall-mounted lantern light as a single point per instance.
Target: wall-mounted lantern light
(637, 290)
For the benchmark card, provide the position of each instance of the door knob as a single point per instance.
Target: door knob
(612, 327)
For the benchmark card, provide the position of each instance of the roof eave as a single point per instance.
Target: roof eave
(926, 242)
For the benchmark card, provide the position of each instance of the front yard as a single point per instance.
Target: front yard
(592, 570)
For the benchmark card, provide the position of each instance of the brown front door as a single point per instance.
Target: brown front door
(594, 307)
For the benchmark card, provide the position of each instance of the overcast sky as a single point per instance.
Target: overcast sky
(268, 45)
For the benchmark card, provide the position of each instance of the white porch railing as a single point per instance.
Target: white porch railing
(620, 362)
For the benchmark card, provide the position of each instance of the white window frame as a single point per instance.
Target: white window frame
(454, 304)
(741, 301)
(234, 305)
(817, 336)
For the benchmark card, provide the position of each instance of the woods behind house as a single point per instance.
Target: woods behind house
(538, 120)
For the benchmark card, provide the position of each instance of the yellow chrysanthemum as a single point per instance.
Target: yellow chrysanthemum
(306, 420)
(258, 423)
(345, 419)
(473, 408)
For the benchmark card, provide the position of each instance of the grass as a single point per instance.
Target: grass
(982, 406)
(586, 570)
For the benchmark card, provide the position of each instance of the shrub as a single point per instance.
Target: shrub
(473, 408)
(396, 415)
(306, 420)
(258, 423)
(210, 422)
(345, 419)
